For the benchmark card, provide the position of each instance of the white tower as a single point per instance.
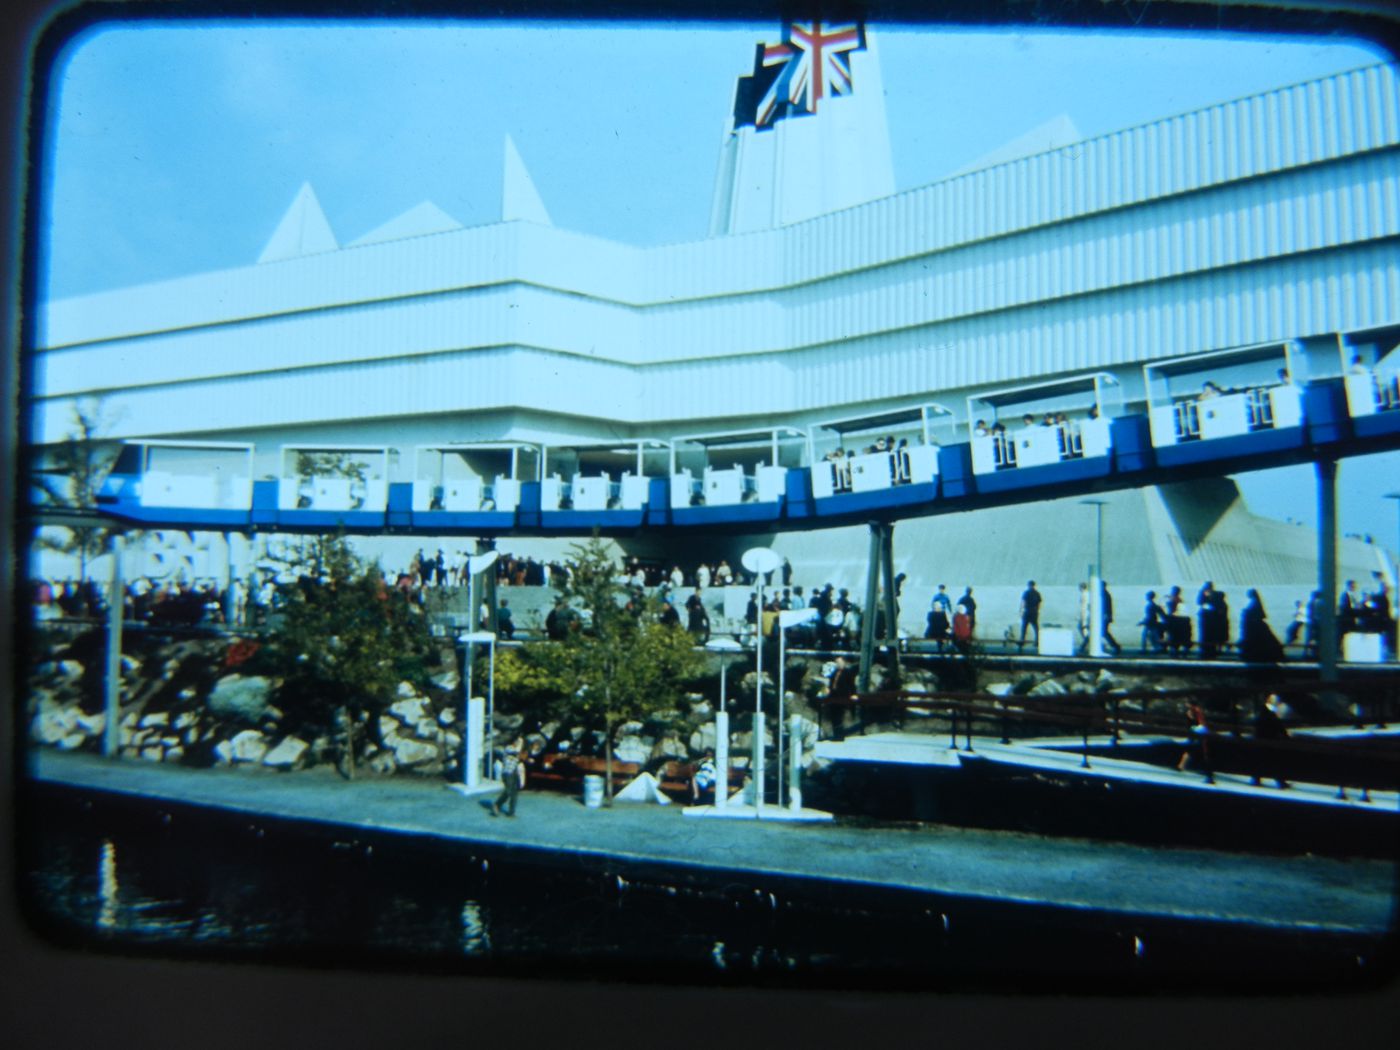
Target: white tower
(808, 135)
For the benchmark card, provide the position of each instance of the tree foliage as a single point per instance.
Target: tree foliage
(345, 642)
(621, 668)
(70, 477)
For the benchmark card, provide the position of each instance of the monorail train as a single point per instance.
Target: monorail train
(1214, 413)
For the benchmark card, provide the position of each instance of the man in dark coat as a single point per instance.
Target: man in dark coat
(1030, 613)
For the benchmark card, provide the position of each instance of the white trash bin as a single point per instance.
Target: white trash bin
(593, 791)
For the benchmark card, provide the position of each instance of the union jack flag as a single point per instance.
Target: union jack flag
(790, 78)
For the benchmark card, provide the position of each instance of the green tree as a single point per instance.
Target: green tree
(620, 668)
(68, 477)
(346, 641)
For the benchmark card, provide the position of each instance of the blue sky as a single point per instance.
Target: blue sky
(175, 149)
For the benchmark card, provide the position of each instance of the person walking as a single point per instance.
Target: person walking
(1106, 618)
(1153, 624)
(512, 778)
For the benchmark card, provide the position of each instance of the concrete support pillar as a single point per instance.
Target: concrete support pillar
(112, 706)
(891, 615)
(1327, 640)
(795, 763)
(867, 618)
(722, 759)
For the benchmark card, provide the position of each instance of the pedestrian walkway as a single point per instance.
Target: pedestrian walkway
(1303, 893)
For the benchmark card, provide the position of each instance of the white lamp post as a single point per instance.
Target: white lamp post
(722, 646)
(786, 618)
(759, 561)
(477, 564)
(1096, 581)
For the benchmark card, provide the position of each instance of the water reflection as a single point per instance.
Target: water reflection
(217, 888)
(475, 939)
(107, 885)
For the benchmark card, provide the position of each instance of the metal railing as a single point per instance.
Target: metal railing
(1229, 744)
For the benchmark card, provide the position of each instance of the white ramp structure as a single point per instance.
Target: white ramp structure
(302, 231)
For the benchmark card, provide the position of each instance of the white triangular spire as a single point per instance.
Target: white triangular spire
(419, 220)
(302, 231)
(519, 198)
(804, 166)
(1053, 134)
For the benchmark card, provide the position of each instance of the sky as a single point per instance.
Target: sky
(176, 148)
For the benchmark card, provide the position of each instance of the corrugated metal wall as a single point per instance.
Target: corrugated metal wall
(1266, 218)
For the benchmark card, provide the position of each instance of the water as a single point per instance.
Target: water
(132, 878)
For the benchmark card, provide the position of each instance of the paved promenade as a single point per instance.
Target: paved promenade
(1279, 892)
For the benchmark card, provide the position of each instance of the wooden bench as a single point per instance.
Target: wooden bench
(674, 778)
(566, 772)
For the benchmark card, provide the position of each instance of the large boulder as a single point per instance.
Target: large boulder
(408, 752)
(702, 738)
(409, 710)
(1049, 687)
(632, 749)
(287, 754)
(248, 746)
(241, 699)
(447, 680)
(53, 723)
(668, 746)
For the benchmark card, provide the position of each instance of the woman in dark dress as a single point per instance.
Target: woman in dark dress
(1258, 644)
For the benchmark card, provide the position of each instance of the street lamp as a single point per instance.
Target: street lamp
(477, 564)
(722, 646)
(786, 618)
(760, 561)
(1098, 505)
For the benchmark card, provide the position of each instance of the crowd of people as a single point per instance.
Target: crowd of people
(1169, 623)
(1165, 629)
(170, 602)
